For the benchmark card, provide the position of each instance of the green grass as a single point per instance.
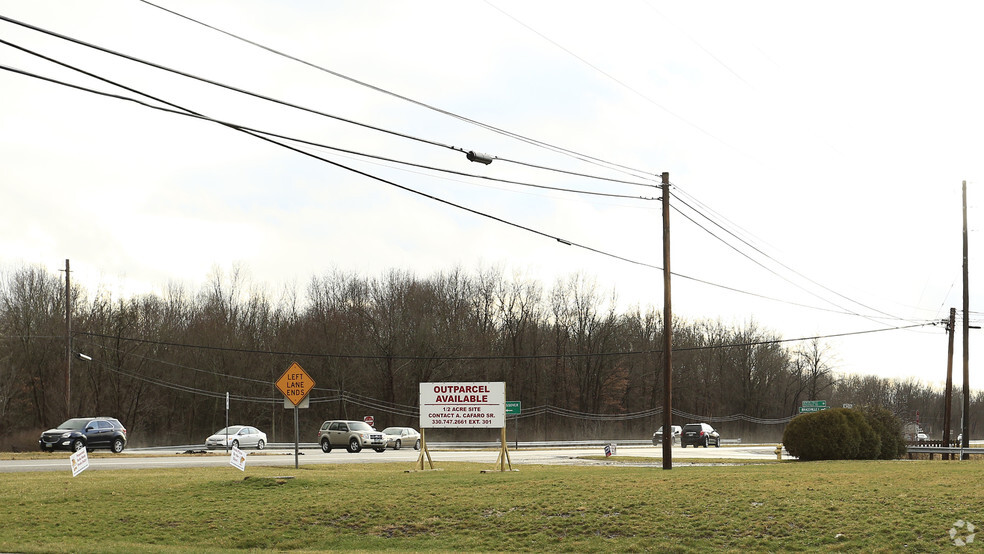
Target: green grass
(790, 506)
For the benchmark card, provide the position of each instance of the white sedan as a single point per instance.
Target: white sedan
(397, 437)
(240, 436)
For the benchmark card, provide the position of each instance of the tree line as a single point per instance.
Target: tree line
(163, 363)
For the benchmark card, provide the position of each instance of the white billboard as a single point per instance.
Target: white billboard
(462, 405)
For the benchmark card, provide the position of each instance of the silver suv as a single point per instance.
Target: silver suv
(354, 435)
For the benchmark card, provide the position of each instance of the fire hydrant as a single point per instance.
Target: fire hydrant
(778, 451)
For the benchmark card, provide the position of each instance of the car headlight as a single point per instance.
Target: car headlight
(66, 434)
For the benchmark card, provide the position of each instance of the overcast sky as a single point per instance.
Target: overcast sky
(832, 138)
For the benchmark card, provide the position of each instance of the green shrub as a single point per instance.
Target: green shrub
(889, 429)
(823, 435)
(845, 434)
(869, 445)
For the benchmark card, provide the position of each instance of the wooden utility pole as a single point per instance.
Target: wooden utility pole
(966, 334)
(68, 342)
(948, 396)
(667, 332)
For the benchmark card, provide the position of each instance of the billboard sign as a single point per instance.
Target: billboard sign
(463, 405)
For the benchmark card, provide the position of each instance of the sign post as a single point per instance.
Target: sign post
(295, 383)
(514, 407)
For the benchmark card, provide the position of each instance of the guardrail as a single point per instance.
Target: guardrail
(957, 451)
(444, 445)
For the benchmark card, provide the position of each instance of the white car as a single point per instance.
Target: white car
(397, 437)
(675, 435)
(240, 436)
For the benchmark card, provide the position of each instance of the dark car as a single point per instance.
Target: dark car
(85, 432)
(699, 434)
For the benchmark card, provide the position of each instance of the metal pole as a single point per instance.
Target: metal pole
(297, 438)
(966, 333)
(667, 332)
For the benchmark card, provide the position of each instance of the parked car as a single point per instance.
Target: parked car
(354, 435)
(922, 437)
(85, 432)
(675, 431)
(396, 437)
(699, 434)
(239, 436)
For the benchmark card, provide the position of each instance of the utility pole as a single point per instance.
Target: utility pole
(966, 334)
(68, 342)
(948, 396)
(667, 332)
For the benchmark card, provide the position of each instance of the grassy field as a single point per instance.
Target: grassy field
(885, 506)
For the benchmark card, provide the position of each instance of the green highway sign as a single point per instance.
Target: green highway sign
(814, 403)
(806, 409)
(513, 407)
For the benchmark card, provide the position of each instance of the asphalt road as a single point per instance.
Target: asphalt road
(144, 459)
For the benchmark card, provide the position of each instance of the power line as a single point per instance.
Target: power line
(618, 81)
(271, 99)
(496, 356)
(577, 155)
(770, 270)
(189, 113)
(257, 134)
(350, 169)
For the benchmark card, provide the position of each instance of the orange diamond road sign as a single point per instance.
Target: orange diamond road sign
(295, 383)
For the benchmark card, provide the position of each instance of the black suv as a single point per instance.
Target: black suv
(85, 432)
(699, 434)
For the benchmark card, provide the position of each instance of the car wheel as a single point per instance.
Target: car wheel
(417, 445)
(398, 444)
(717, 443)
(118, 445)
(77, 445)
(325, 446)
(260, 444)
(705, 442)
(235, 444)
(354, 445)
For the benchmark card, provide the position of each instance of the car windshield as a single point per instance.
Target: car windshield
(359, 426)
(393, 431)
(229, 430)
(74, 424)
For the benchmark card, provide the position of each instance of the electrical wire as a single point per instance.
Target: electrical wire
(271, 99)
(236, 126)
(621, 83)
(784, 266)
(638, 173)
(414, 412)
(368, 175)
(350, 169)
(499, 356)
